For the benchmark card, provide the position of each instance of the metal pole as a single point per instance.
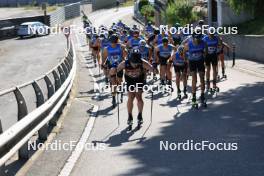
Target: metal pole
(234, 54)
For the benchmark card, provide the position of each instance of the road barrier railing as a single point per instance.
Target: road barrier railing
(15, 139)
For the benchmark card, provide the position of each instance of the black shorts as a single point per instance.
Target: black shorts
(211, 59)
(197, 66)
(180, 68)
(135, 84)
(163, 60)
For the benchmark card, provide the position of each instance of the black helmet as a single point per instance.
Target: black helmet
(201, 22)
(136, 31)
(102, 36)
(113, 38)
(96, 36)
(197, 33)
(110, 32)
(135, 57)
(156, 31)
(165, 40)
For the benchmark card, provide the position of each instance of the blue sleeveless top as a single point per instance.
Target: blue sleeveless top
(196, 51)
(211, 44)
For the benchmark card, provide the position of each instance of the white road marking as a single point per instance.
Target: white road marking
(68, 167)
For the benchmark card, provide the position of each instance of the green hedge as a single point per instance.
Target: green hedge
(181, 12)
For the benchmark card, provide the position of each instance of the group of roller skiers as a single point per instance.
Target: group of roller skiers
(133, 53)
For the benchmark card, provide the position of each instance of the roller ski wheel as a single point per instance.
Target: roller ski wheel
(224, 76)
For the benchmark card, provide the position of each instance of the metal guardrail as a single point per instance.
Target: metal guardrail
(17, 136)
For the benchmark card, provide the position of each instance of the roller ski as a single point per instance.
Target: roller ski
(129, 122)
(223, 74)
(194, 103)
(140, 121)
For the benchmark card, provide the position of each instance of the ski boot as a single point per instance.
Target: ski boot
(185, 95)
(203, 101)
(130, 122)
(216, 89)
(140, 120)
(113, 102)
(208, 88)
(162, 82)
(223, 74)
(218, 77)
(194, 103)
(179, 95)
(155, 77)
(169, 85)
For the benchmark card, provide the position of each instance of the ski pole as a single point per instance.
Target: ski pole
(118, 109)
(151, 107)
(234, 54)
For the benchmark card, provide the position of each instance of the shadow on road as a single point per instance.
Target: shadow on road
(237, 117)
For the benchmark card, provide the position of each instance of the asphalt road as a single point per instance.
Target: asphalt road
(235, 115)
(23, 60)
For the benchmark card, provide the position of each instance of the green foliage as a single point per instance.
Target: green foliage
(255, 7)
(180, 11)
(148, 12)
(142, 3)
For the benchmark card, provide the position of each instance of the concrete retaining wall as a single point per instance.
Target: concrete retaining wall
(226, 16)
(247, 46)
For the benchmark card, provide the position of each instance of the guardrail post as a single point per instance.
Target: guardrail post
(23, 152)
(62, 74)
(50, 87)
(67, 64)
(65, 69)
(43, 132)
(57, 80)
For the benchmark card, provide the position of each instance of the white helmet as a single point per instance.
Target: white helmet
(142, 43)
